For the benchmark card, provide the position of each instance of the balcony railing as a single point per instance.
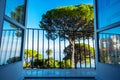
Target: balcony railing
(10, 50)
(42, 51)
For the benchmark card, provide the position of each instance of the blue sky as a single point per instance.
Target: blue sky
(38, 7)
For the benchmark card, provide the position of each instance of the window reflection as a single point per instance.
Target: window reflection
(16, 9)
(109, 46)
(11, 44)
(108, 12)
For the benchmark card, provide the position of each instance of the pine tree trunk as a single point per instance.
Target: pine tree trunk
(72, 53)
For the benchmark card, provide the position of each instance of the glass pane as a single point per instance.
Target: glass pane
(16, 9)
(11, 44)
(108, 12)
(109, 46)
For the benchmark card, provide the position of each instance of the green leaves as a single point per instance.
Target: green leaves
(82, 10)
(49, 52)
(82, 50)
(69, 19)
(32, 53)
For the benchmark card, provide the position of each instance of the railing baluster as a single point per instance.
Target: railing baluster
(102, 46)
(109, 45)
(54, 51)
(93, 51)
(7, 46)
(32, 47)
(59, 50)
(2, 45)
(84, 49)
(64, 48)
(89, 51)
(27, 43)
(16, 47)
(13, 34)
(48, 49)
(75, 53)
(80, 52)
(105, 46)
(43, 49)
(116, 52)
(37, 48)
(118, 46)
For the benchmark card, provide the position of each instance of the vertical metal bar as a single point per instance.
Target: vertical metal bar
(16, 47)
(32, 47)
(89, 51)
(59, 49)
(80, 53)
(93, 50)
(99, 46)
(105, 35)
(2, 46)
(43, 49)
(109, 46)
(119, 46)
(2, 13)
(113, 44)
(75, 53)
(13, 34)
(7, 46)
(116, 52)
(64, 48)
(54, 52)
(37, 48)
(84, 49)
(102, 49)
(3, 39)
(48, 50)
(23, 37)
(27, 44)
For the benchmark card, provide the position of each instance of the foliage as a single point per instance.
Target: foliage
(49, 52)
(38, 62)
(28, 54)
(66, 63)
(13, 59)
(18, 15)
(69, 18)
(32, 53)
(26, 65)
(82, 51)
(46, 63)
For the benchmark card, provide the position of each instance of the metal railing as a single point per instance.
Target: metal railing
(109, 48)
(42, 51)
(10, 50)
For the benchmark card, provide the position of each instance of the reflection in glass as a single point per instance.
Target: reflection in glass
(16, 9)
(108, 12)
(11, 44)
(109, 46)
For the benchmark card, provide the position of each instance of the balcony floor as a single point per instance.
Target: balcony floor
(61, 78)
(60, 74)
